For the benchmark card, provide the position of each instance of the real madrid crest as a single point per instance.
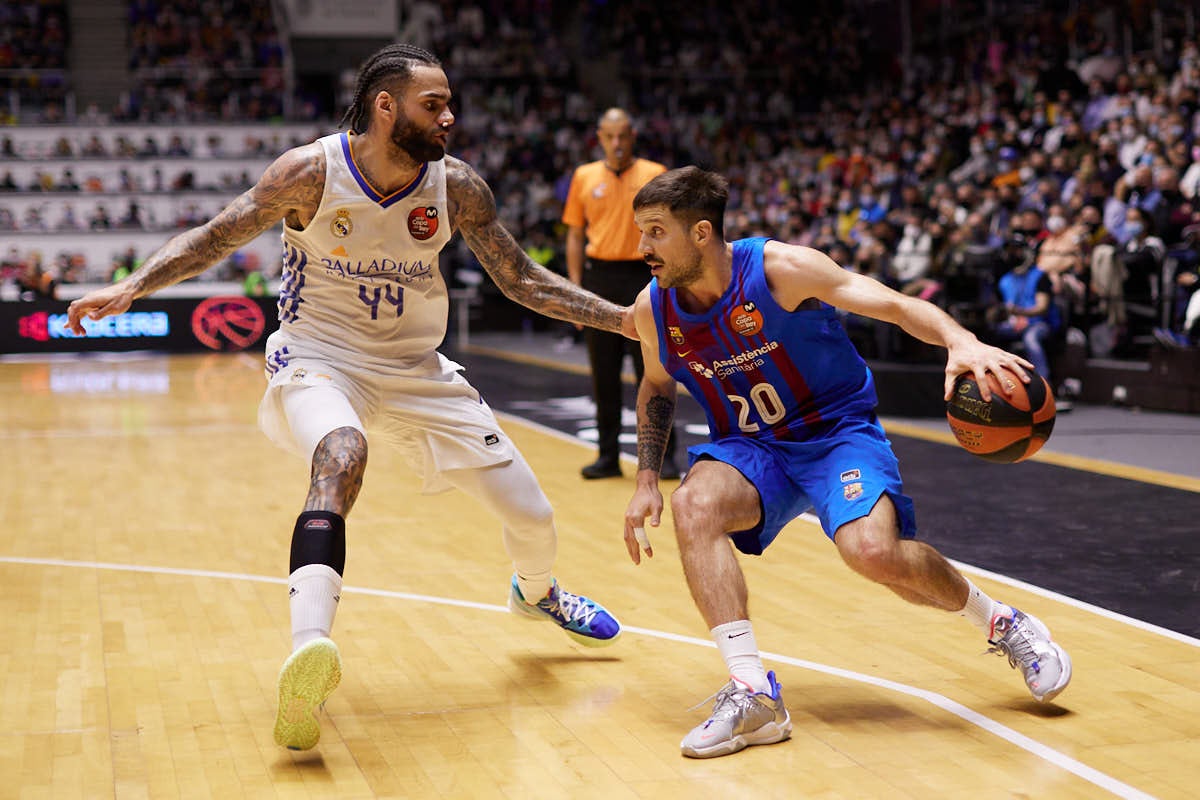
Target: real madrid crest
(342, 225)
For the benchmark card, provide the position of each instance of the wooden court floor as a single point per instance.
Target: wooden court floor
(143, 553)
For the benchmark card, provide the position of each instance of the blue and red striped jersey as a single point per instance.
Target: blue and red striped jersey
(757, 369)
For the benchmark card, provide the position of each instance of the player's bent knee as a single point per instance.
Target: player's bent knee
(689, 506)
(529, 514)
(869, 552)
(346, 445)
(699, 514)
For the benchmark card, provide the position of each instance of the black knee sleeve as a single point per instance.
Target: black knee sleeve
(319, 538)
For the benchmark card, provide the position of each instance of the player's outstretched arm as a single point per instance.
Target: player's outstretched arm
(655, 414)
(291, 186)
(473, 211)
(797, 273)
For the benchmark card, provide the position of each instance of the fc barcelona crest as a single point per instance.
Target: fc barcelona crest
(676, 334)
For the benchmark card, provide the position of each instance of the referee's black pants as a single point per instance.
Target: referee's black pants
(620, 282)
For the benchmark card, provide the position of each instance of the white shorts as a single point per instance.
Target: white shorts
(431, 414)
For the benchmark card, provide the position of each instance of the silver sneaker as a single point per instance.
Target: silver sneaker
(1026, 641)
(739, 719)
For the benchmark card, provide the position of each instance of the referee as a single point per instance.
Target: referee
(602, 256)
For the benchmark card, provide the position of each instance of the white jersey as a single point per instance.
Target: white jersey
(361, 284)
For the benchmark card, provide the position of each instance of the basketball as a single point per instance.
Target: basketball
(1006, 429)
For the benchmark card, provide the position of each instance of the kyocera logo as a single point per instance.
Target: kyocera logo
(42, 326)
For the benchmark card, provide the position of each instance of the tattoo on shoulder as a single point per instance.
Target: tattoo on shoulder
(470, 198)
(290, 188)
(293, 184)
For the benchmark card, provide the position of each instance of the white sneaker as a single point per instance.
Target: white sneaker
(740, 718)
(1026, 641)
(306, 680)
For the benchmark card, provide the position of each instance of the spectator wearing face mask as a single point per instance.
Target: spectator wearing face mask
(1189, 184)
(912, 264)
(1027, 313)
(870, 210)
(1061, 255)
(1124, 284)
(1135, 189)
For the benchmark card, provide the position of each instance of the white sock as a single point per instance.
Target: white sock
(735, 641)
(313, 593)
(534, 587)
(980, 609)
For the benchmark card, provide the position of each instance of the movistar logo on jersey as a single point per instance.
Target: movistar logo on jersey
(412, 271)
(746, 361)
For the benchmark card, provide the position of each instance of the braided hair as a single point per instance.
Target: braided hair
(389, 65)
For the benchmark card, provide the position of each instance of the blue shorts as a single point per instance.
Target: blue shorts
(840, 476)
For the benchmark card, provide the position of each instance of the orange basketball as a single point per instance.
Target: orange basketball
(1006, 429)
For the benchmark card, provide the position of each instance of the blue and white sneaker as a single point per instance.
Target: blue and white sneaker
(1025, 640)
(584, 620)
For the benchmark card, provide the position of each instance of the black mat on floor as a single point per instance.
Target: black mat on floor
(1129, 547)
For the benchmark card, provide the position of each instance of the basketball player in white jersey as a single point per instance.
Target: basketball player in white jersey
(362, 310)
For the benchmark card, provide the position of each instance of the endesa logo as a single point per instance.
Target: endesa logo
(228, 323)
(42, 326)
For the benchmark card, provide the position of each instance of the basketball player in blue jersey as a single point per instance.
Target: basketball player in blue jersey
(362, 310)
(750, 329)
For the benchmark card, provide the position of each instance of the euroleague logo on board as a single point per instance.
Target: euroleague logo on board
(746, 319)
(228, 323)
(423, 222)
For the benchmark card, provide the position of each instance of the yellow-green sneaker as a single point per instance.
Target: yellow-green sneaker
(306, 680)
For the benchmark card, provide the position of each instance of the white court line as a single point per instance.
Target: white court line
(1028, 587)
(1032, 746)
(221, 428)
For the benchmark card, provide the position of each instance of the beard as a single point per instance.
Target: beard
(683, 275)
(417, 143)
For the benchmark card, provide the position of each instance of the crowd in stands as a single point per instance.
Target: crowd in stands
(938, 176)
(1063, 146)
(198, 60)
(33, 53)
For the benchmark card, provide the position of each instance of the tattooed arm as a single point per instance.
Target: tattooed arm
(473, 211)
(655, 414)
(290, 188)
(656, 395)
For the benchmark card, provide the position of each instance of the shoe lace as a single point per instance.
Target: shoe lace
(573, 607)
(729, 697)
(1017, 644)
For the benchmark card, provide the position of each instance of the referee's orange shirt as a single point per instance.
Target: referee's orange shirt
(601, 202)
